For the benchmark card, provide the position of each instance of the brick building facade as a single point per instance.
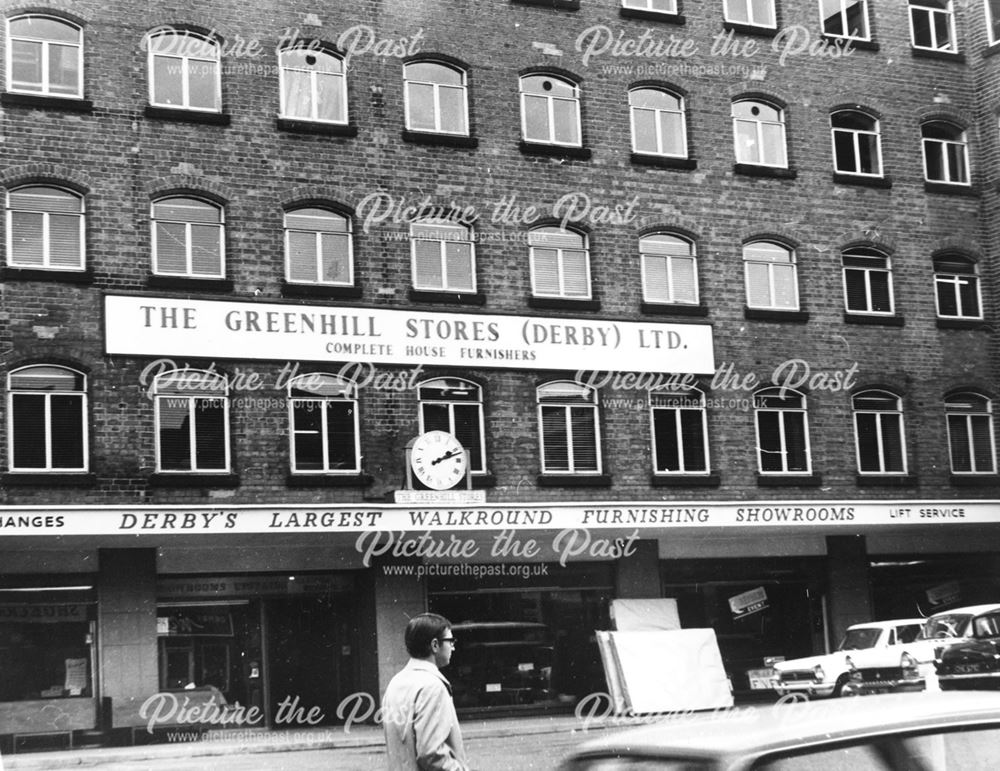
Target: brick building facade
(457, 215)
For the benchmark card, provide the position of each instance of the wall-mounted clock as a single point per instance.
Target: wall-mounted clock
(438, 460)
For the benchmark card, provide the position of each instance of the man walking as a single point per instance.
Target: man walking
(418, 714)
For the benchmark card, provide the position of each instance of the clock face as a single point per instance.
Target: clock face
(438, 460)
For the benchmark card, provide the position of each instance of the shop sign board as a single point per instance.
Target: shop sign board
(44, 613)
(777, 516)
(171, 326)
(231, 587)
(747, 603)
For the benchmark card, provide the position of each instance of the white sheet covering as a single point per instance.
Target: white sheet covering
(658, 614)
(671, 671)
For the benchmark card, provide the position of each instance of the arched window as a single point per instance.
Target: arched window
(878, 431)
(560, 263)
(658, 6)
(867, 281)
(782, 431)
(956, 287)
(436, 98)
(47, 413)
(946, 153)
(323, 413)
(759, 133)
(188, 238)
(443, 256)
(318, 248)
(184, 70)
(845, 18)
(680, 431)
(669, 269)
(191, 409)
(970, 433)
(771, 276)
(313, 85)
(753, 13)
(568, 428)
(658, 125)
(45, 228)
(550, 110)
(455, 406)
(932, 25)
(856, 143)
(44, 56)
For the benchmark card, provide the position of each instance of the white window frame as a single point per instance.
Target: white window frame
(46, 234)
(50, 436)
(658, 119)
(672, 265)
(932, 12)
(758, 126)
(45, 86)
(748, 7)
(314, 77)
(441, 383)
(760, 401)
(196, 380)
(320, 235)
(882, 415)
(856, 135)
(348, 394)
(463, 235)
(189, 257)
(184, 60)
(437, 88)
(951, 281)
(992, 20)
(675, 401)
(576, 394)
(868, 253)
(844, 5)
(943, 146)
(560, 263)
(550, 122)
(647, 5)
(966, 414)
(772, 277)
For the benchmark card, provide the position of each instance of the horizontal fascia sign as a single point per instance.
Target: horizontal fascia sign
(651, 518)
(169, 326)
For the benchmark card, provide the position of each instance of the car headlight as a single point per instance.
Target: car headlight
(818, 674)
(853, 672)
(909, 665)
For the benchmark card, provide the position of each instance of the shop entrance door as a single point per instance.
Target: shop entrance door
(309, 655)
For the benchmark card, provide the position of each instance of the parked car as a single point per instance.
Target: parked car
(974, 663)
(894, 732)
(827, 674)
(910, 666)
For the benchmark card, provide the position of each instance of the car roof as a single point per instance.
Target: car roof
(974, 610)
(886, 624)
(738, 732)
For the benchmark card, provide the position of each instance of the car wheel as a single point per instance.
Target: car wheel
(838, 689)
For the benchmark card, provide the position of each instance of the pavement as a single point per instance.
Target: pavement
(228, 742)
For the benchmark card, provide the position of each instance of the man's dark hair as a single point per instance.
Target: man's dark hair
(421, 630)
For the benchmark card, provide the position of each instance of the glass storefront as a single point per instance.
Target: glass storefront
(525, 643)
(917, 586)
(46, 641)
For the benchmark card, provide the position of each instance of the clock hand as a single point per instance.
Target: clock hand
(451, 454)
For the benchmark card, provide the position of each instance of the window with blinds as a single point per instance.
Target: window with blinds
(455, 406)
(970, 433)
(191, 412)
(318, 247)
(443, 257)
(45, 229)
(771, 276)
(47, 409)
(569, 432)
(188, 238)
(669, 270)
(560, 263)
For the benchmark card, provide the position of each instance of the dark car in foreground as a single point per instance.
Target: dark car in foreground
(898, 732)
(975, 662)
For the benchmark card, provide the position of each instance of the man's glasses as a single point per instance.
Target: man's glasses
(451, 640)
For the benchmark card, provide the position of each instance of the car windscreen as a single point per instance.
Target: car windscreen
(946, 625)
(636, 763)
(859, 639)
(987, 626)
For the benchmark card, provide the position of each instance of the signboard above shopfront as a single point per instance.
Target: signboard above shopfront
(170, 326)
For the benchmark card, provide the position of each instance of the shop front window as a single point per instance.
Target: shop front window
(46, 638)
(198, 646)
